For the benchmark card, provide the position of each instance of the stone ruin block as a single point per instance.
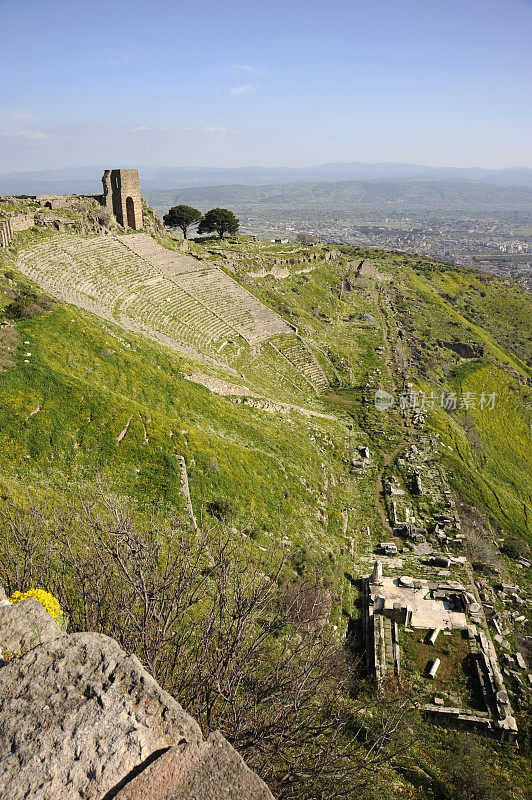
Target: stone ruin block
(6, 233)
(121, 196)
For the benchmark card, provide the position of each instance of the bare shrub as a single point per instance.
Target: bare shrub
(28, 303)
(481, 551)
(242, 652)
(515, 548)
(104, 218)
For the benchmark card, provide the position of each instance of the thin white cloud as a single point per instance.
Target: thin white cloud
(245, 88)
(35, 133)
(16, 116)
(248, 69)
(120, 60)
(179, 129)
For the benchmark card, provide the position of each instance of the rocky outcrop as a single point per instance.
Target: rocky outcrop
(77, 715)
(211, 769)
(79, 718)
(23, 626)
(465, 349)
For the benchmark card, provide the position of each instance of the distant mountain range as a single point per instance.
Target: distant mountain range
(349, 195)
(87, 179)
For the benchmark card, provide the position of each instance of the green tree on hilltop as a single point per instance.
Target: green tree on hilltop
(219, 220)
(182, 217)
(306, 238)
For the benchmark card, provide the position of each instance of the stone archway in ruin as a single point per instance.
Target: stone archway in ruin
(130, 212)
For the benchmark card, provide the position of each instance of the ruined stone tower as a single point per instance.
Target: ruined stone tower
(121, 196)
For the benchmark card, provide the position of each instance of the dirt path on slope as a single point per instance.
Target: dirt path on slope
(392, 455)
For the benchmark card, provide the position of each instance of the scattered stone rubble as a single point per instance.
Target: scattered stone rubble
(446, 605)
(39, 213)
(465, 349)
(423, 479)
(79, 718)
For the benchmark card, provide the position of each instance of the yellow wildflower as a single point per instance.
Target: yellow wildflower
(47, 600)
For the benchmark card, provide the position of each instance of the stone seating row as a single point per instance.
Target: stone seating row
(162, 308)
(55, 264)
(304, 361)
(176, 305)
(175, 327)
(123, 258)
(279, 369)
(118, 280)
(167, 260)
(150, 320)
(239, 308)
(80, 254)
(184, 317)
(179, 304)
(60, 263)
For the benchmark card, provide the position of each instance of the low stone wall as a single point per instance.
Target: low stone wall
(22, 222)
(464, 720)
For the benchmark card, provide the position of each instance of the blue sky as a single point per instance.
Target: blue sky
(441, 82)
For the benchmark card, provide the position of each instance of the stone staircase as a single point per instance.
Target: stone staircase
(294, 350)
(166, 261)
(215, 290)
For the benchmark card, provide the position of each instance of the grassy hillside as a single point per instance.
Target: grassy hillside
(75, 384)
(489, 449)
(90, 380)
(80, 396)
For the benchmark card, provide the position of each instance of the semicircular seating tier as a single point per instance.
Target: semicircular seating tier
(176, 299)
(136, 278)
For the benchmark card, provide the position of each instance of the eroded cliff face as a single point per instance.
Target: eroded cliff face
(79, 718)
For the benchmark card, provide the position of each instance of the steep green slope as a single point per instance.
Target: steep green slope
(488, 436)
(91, 380)
(79, 395)
(82, 396)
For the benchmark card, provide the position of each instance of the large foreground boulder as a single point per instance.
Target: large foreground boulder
(211, 769)
(77, 715)
(81, 719)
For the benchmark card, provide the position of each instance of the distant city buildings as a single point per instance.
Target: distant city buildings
(488, 242)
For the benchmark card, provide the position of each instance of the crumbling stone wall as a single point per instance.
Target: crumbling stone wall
(22, 222)
(9, 225)
(121, 196)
